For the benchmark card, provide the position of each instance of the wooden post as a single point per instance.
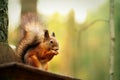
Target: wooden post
(18, 71)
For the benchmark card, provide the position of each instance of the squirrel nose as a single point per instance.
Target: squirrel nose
(56, 49)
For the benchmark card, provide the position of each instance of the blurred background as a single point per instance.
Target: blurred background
(82, 30)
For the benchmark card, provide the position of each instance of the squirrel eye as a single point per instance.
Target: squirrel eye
(51, 42)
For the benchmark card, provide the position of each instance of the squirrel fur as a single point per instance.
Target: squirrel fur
(37, 47)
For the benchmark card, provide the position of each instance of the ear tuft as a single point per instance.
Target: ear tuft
(53, 34)
(46, 34)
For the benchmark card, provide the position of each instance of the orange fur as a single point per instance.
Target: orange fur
(37, 47)
(40, 56)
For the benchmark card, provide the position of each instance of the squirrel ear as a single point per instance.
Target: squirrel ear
(53, 34)
(46, 34)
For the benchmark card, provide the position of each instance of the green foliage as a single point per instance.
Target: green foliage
(83, 53)
(117, 40)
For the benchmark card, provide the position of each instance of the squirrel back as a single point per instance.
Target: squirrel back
(36, 46)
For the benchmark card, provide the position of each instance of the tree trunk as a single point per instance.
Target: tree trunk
(3, 20)
(117, 40)
(6, 53)
(112, 36)
(30, 7)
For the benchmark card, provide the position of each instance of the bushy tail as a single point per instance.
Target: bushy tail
(31, 28)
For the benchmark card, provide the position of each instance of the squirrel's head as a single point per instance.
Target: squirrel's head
(50, 42)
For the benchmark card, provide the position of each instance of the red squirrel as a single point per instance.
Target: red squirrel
(37, 47)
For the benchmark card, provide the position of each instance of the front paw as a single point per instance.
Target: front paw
(54, 52)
